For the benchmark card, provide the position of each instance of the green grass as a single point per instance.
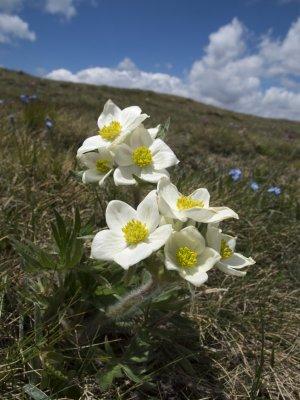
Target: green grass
(244, 330)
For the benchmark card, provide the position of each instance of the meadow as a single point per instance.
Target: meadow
(234, 338)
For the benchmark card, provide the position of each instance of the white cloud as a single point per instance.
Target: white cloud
(65, 8)
(10, 5)
(126, 75)
(230, 74)
(13, 27)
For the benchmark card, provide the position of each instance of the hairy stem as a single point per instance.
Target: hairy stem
(131, 299)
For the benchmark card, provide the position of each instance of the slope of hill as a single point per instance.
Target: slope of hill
(247, 326)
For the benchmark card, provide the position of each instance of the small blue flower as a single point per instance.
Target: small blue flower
(235, 174)
(254, 186)
(24, 98)
(49, 123)
(275, 190)
(32, 97)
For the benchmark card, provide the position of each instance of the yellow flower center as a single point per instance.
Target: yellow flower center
(102, 166)
(135, 231)
(111, 132)
(186, 257)
(186, 202)
(142, 156)
(225, 251)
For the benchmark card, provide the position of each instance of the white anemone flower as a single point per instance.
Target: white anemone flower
(114, 126)
(230, 263)
(185, 252)
(99, 165)
(195, 206)
(143, 156)
(133, 235)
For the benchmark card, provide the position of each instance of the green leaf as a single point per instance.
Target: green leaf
(131, 375)
(106, 378)
(163, 129)
(35, 393)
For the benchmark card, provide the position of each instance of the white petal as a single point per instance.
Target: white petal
(109, 109)
(197, 278)
(200, 214)
(221, 214)
(106, 244)
(159, 237)
(238, 261)
(154, 131)
(133, 254)
(163, 156)
(168, 192)
(213, 237)
(123, 155)
(118, 214)
(203, 195)
(92, 143)
(207, 259)
(170, 264)
(89, 159)
(91, 175)
(140, 137)
(131, 118)
(228, 270)
(147, 211)
(153, 176)
(123, 175)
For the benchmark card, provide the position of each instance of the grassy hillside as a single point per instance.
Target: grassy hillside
(246, 327)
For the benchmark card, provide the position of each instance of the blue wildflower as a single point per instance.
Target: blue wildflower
(49, 123)
(24, 98)
(235, 174)
(32, 97)
(275, 190)
(254, 186)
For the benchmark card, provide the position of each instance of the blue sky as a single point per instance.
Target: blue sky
(189, 42)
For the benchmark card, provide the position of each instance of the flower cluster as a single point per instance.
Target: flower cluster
(125, 146)
(236, 175)
(166, 222)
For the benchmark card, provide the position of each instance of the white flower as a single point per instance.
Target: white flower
(114, 125)
(231, 263)
(195, 206)
(133, 235)
(144, 157)
(99, 164)
(185, 252)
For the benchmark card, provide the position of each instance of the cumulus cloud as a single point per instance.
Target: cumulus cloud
(65, 8)
(125, 75)
(230, 74)
(13, 27)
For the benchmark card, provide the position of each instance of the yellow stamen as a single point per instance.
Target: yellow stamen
(135, 231)
(186, 257)
(225, 251)
(142, 156)
(111, 132)
(102, 166)
(186, 202)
